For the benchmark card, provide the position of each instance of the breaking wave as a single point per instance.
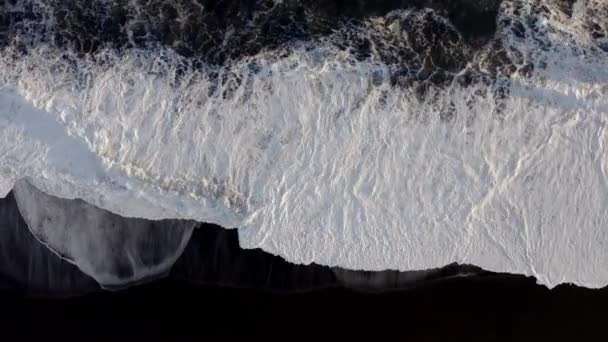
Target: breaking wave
(395, 141)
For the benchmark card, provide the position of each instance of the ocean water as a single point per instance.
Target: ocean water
(397, 137)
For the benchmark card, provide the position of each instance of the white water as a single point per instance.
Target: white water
(313, 162)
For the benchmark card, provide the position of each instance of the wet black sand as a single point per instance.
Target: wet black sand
(489, 308)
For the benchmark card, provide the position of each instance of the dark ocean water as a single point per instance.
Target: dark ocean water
(197, 28)
(220, 32)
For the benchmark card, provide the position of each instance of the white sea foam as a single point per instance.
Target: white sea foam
(315, 160)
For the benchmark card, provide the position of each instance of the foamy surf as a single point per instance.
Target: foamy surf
(318, 155)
